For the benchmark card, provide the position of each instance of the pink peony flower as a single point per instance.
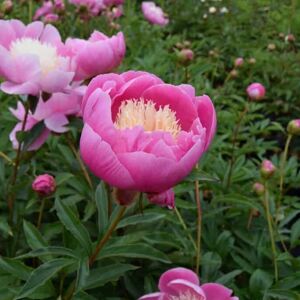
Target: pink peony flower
(256, 91)
(99, 54)
(154, 14)
(94, 7)
(113, 2)
(150, 134)
(238, 62)
(44, 185)
(45, 9)
(29, 59)
(53, 113)
(183, 284)
(59, 5)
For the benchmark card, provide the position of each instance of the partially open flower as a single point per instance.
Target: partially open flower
(99, 54)
(256, 91)
(154, 14)
(184, 284)
(44, 185)
(46, 8)
(141, 134)
(294, 127)
(267, 169)
(30, 61)
(54, 113)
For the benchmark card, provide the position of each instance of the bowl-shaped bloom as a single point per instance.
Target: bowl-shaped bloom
(54, 114)
(256, 91)
(141, 134)
(29, 59)
(97, 55)
(154, 14)
(183, 284)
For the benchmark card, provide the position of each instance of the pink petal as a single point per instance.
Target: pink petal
(7, 34)
(155, 296)
(26, 88)
(56, 81)
(215, 291)
(19, 112)
(207, 115)
(34, 30)
(178, 287)
(102, 161)
(56, 123)
(50, 35)
(178, 101)
(190, 90)
(176, 273)
(133, 89)
(40, 140)
(166, 198)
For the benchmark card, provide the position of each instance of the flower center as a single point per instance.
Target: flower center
(48, 57)
(140, 113)
(187, 296)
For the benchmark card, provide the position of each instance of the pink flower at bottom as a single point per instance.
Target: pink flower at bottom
(141, 134)
(183, 284)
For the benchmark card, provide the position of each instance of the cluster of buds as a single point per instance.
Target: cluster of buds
(44, 185)
(184, 53)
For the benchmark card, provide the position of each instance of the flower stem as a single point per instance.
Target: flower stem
(11, 197)
(199, 225)
(76, 154)
(4, 156)
(30, 11)
(234, 140)
(107, 235)
(40, 217)
(185, 227)
(271, 232)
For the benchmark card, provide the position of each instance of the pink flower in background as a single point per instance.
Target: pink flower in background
(93, 6)
(51, 18)
(46, 8)
(113, 2)
(53, 113)
(182, 283)
(44, 185)
(238, 62)
(141, 134)
(154, 14)
(256, 91)
(59, 5)
(99, 54)
(30, 61)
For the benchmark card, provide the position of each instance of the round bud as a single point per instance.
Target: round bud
(44, 185)
(294, 127)
(267, 169)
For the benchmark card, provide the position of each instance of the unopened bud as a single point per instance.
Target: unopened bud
(44, 185)
(267, 169)
(271, 47)
(294, 127)
(258, 188)
(185, 56)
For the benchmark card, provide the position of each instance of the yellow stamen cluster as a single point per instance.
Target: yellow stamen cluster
(140, 113)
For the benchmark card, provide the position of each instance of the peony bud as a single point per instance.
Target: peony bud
(212, 10)
(281, 35)
(258, 188)
(271, 47)
(224, 10)
(252, 61)
(44, 185)
(238, 62)
(234, 73)
(267, 169)
(294, 127)
(7, 6)
(51, 18)
(290, 38)
(256, 91)
(185, 56)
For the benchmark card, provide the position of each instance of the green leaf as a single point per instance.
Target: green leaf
(259, 282)
(198, 174)
(227, 278)
(14, 267)
(55, 251)
(141, 219)
(137, 250)
(40, 275)
(295, 233)
(32, 135)
(102, 206)
(101, 276)
(83, 272)
(73, 224)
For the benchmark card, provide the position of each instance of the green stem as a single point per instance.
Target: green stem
(199, 225)
(271, 232)
(81, 164)
(282, 165)
(107, 235)
(40, 217)
(185, 227)
(234, 140)
(30, 11)
(3, 155)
